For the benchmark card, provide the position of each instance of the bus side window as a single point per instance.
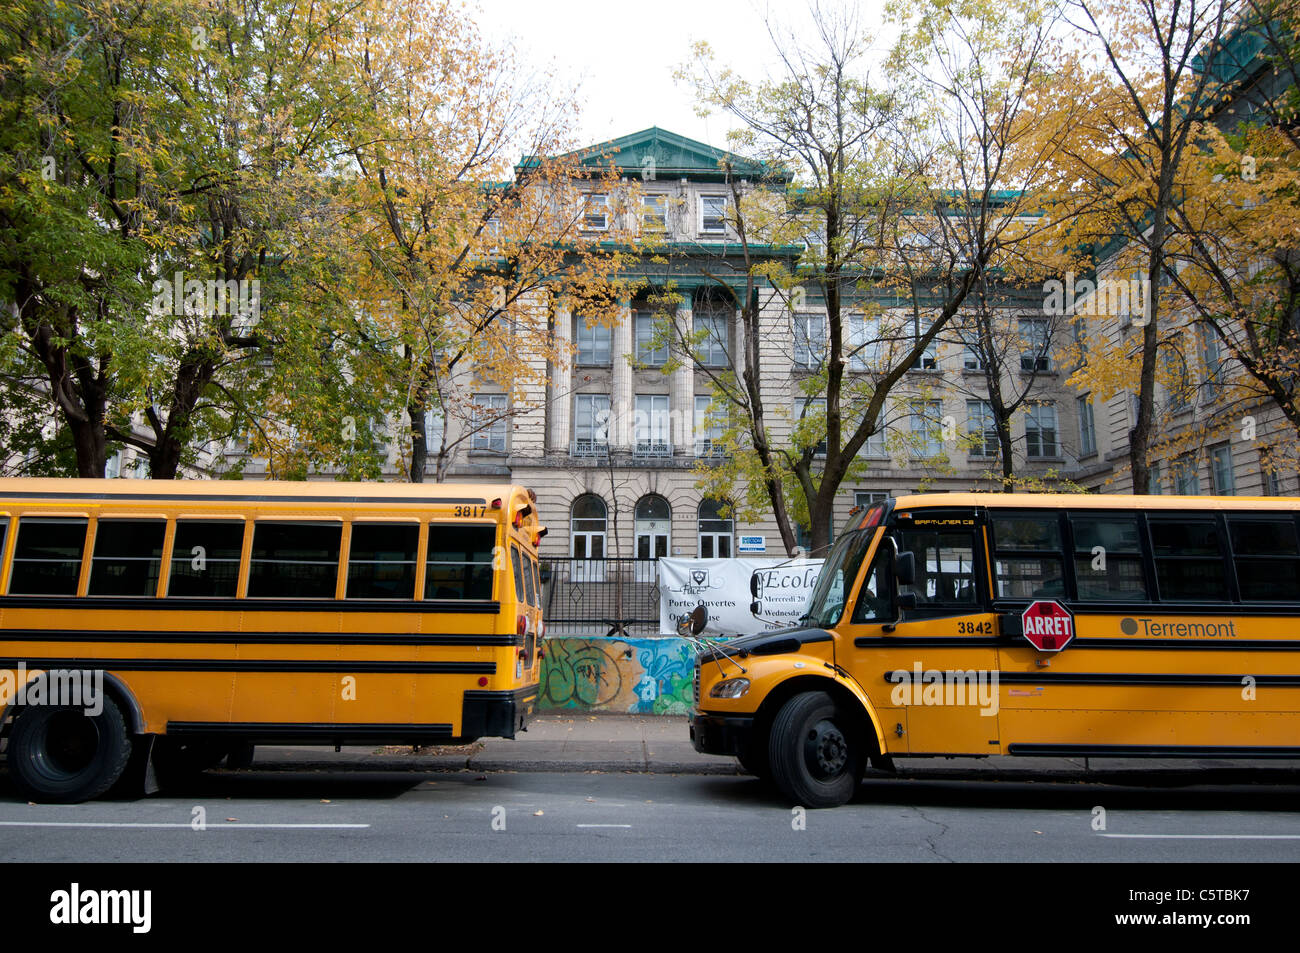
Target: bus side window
(1189, 559)
(1027, 556)
(205, 558)
(875, 602)
(47, 556)
(459, 561)
(519, 573)
(381, 561)
(1108, 558)
(1267, 557)
(530, 580)
(127, 558)
(945, 567)
(294, 560)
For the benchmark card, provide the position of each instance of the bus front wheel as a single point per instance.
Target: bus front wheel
(60, 754)
(814, 751)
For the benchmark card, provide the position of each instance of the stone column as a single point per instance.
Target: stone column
(561, 402)
(681, 387)
(622, 431)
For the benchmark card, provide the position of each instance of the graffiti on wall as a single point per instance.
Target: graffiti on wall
(639, 676)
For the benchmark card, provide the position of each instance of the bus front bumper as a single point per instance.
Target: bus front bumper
(720, 734)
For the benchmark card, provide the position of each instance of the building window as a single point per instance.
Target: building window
(434, 430)
(866, 498)
(1040, 431)
(650, 352)
(814, 407)
(982, 428)
(488, 422)
(590, 424)
(874, 445)
(1272, 484)
(711, 351)
(654, 213)
(587, 525)
(595, 214)
(1087, 429)
(652, 524)
(708, 429)
(864, 342)
(973, 359)
(809, 340)
(927, 428)
(1036, 340)
(1186, 480)
(1212, 361)
(594, 341)
(652, 425)
(1155, 485)
(713, 214)
(928, 359)
(1178, 382)
(1221, 470)
(715, 532)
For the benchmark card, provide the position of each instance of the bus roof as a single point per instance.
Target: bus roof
(1092, 501)
(269, 490)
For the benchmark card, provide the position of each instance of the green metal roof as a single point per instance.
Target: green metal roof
(666, 155)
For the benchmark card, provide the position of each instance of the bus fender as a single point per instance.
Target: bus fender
(112, 686)
(818, 682)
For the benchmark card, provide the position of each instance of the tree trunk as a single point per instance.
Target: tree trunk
(419, 439)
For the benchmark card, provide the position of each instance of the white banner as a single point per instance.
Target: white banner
(722, 587)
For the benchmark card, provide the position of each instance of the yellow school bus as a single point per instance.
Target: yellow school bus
(1008, 624)
(186, 620)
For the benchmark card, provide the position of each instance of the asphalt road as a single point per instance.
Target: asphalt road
(368, 815)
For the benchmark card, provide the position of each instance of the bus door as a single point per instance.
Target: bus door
(924, 646)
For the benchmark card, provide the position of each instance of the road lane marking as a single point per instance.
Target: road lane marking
(604, 825)
(1209, 836)
(206, 827)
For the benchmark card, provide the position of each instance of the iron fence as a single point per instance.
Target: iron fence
(600, 596)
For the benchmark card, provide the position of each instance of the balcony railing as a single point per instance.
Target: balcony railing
(589, 448)
(652, 448)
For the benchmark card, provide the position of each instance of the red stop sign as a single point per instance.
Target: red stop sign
(1048, 625)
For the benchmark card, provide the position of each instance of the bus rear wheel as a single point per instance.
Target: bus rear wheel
(59, 754)
(814, 751)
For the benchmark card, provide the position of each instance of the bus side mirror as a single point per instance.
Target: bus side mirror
(545, 574)
(905, 568)
(695, 622)
(753, 584)
(906, 600)
(755, 607)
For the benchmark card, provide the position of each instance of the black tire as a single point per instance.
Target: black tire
(177, 764)
(815, 751)
(60, 755)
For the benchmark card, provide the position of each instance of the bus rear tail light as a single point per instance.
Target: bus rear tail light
(496, 504)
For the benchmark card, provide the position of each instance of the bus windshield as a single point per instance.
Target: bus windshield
(826, 604)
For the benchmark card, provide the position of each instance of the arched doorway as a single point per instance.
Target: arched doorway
(716, 533)
(587, 528)
(652, 528)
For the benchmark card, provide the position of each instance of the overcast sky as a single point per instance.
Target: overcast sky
(621, 55)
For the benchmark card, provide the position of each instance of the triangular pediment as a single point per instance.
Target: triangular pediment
(670, 156)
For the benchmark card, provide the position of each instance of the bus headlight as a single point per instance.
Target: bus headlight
(729, 688)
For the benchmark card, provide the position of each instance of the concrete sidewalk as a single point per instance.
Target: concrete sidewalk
(660, 744)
